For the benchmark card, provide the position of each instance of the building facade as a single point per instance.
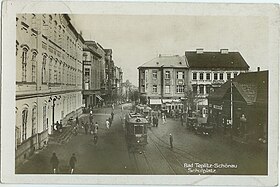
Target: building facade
(209, 70)
(93, 74)
(240, 107)
(48, 78)
(163, 81)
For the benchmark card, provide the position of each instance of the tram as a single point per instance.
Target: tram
(136, 130)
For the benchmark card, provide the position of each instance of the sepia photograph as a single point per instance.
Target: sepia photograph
(143, 94)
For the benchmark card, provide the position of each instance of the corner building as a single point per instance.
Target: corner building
(48, 78)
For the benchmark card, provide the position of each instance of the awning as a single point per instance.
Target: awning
(155, 102)
(100, 98)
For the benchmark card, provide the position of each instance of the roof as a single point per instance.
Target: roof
(252, 86)
(214, 60)
(174, 61)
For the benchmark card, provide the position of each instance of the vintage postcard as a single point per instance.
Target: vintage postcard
(139, 93)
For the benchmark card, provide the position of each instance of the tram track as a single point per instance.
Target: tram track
(177, 150)
(162, 155)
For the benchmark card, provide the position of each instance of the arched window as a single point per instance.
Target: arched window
(24, 124)
(50, 71)
(55, 71)
(24, 64)
(44, 71)
(34, 62)
(45, 126)
(34, 120)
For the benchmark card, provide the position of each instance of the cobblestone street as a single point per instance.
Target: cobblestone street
(111, 156)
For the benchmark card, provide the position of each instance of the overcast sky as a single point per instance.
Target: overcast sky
(138, 39)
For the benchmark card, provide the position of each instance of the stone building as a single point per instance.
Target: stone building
(93, 72)
(163, 80)
(209, 70)
(48, 78)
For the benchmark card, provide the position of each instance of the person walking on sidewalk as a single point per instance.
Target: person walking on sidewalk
(72, 163)
(110, 121)
(171, 140)
(112, 115)
(77, 121)
(107, 123)
(54, 162)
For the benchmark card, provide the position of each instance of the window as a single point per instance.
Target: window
(180, 89)
(87, 72)
(180, 75)
(194, 87)
(194, 76)
(34, 124)
(45, 117)
(235, 74)
(33, 60)
(138, 129)
(24, 124)
(228, 76)
(201, 89)
(154, 88)
(167, 74)
(221, 76)
(207, 76)
(24, 64)
(215, 76)
(44, 69)
(55, 75)
(50, 71)
(167, 89)
(207, 89)
(154, 74)
(201, 76)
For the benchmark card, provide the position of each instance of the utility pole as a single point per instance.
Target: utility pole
(231, 107)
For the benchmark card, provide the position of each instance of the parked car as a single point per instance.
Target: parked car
(204, 128)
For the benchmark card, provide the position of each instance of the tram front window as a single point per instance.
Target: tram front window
(138, 129)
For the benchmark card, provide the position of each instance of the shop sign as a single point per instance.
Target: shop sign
(217, 107)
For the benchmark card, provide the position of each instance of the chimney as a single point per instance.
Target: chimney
(259, 68)
(224, 51)
(199, 51)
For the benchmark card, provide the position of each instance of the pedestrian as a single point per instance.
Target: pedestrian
(90, 118)
(72, 163)
(113, 106)
(112, 115)
(156, 121)
(86, 127)
(107, 123)
(110, 121)
(60, 126)
(163, 118)
(54, 162)
(182, 120)
(91, 128)
(96, 126)
(171, 140)
(77, 121)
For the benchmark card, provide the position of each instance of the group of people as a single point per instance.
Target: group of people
(58, 126)
(109, 121)
(55, 162)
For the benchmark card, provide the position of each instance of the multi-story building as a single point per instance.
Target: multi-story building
(118, 83)
(209, 70)
(48, 78)
(109, 74)
(93, 71)
(163, 80)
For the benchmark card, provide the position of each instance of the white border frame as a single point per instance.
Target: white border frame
(11, 8)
